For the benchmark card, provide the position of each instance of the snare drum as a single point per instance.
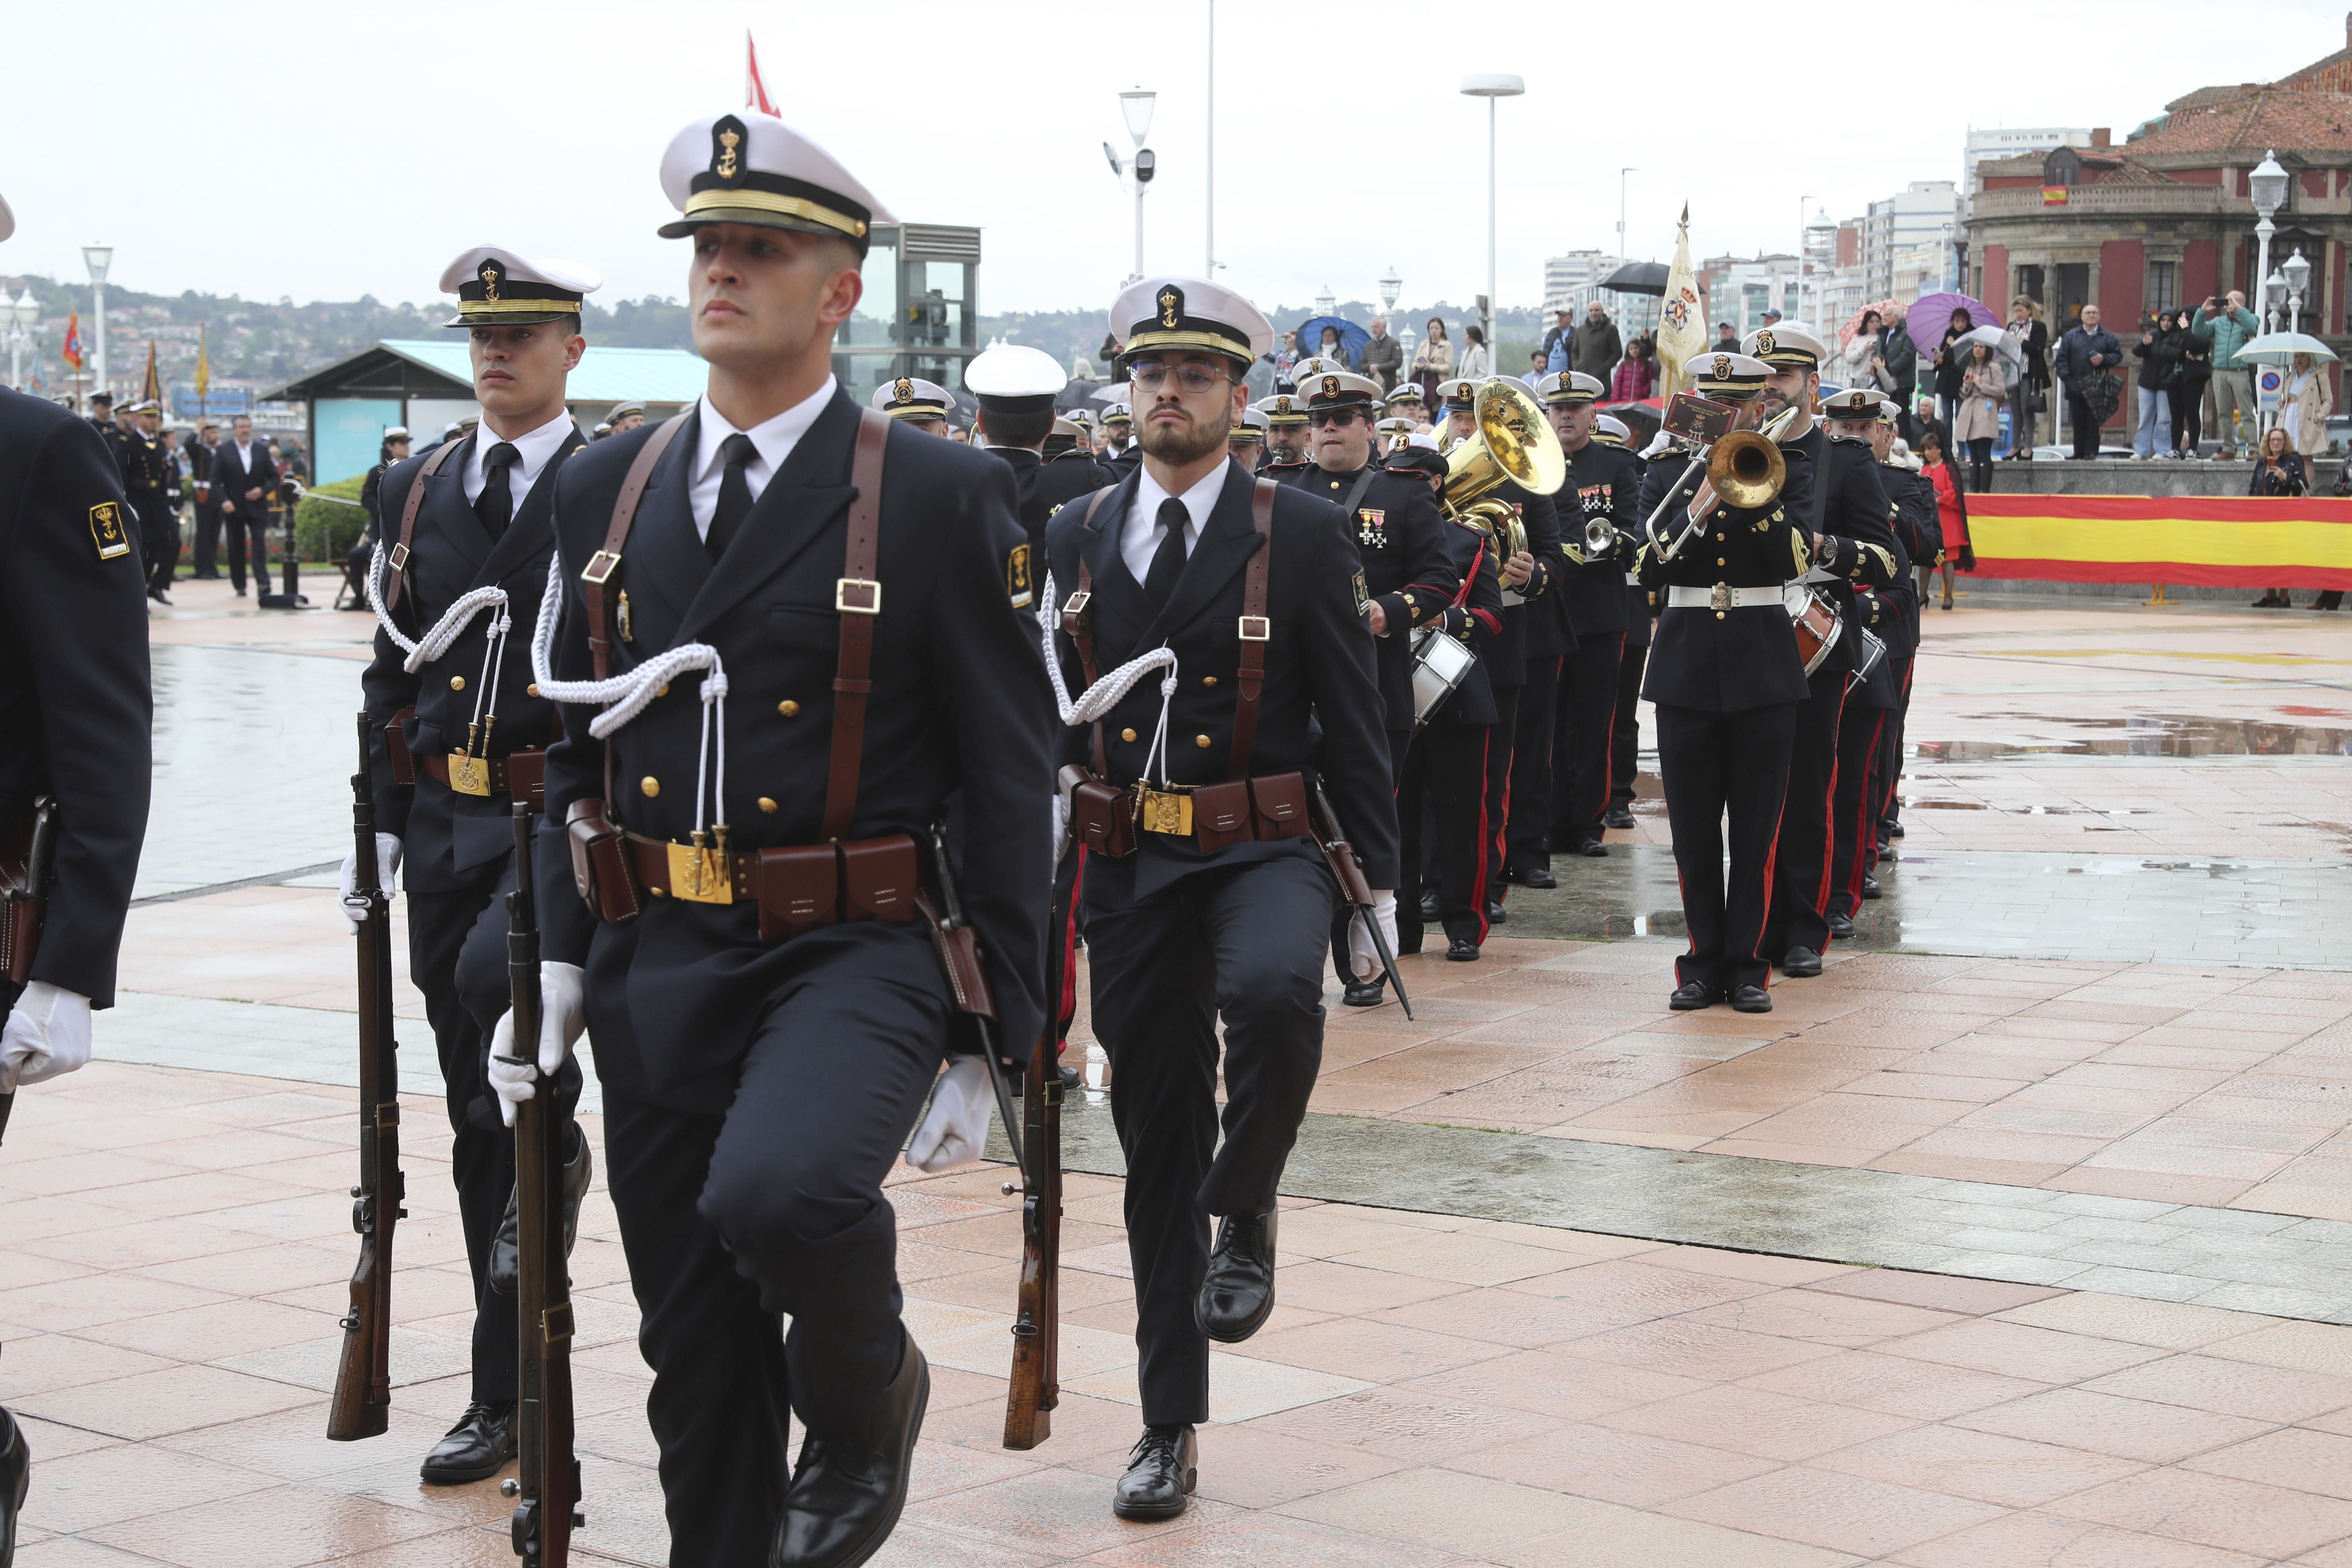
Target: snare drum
(1868, 653)
(1440, 665)
(1817, 621)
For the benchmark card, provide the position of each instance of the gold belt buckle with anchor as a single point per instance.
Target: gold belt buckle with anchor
(470, 774)
(698, 872)
(1164, 811)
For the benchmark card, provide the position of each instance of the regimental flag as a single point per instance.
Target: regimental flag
(1681, 315)
(204, 365)
(755, 91)
(151, 390)
(71, 353)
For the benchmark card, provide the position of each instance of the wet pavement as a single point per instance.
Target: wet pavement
(2015, 1238)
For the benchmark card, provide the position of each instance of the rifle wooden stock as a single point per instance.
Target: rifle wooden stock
(362, 1407)
(1037, 1322)
(547, 1475)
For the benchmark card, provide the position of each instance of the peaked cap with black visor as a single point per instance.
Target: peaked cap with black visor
(755, 169)
(1160, 315)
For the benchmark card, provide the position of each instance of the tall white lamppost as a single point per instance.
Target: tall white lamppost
(1137, 104)
(24, 314)
(2268, 186)
(2297, 272)
(98, 259)
(1491, 86)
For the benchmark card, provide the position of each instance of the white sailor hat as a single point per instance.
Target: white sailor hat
(1889, 411)
(1013, 378)
(1312, 364)
(1251, 427)
(601, 431)
(1065, 428)
(754, 168)
(1339, 389)
(1405, 392)
(624, 409)
(450, 429)
(396, 433)
(1458, 394)
(1079, 419)
(1852, 403)
(497, 288)
(1567, 388)
(1784, 345)
(1117, 413)
(1715, 373)
(1611, 431)
(1162, 313)
(911, 397)
(1283, 408)
(1423, 440)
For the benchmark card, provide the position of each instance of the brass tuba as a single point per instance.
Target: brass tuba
(1513, 443)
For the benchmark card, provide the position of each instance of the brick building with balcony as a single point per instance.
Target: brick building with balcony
(2167, 218)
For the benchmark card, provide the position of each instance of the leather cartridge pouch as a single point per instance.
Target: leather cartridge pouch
(21, 904)
(1220, 813)
(1279, 804)
(1103, 818)
(800, 889)
(395, 746)
(600, 863)
(880, 880)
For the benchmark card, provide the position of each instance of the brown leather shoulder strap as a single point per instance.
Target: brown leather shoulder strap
(598, 574)
(858, 598)
(399, 556)
(1256, 631)
(1079, 621)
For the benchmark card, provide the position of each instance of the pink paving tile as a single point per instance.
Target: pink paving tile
(1499, 1315)
(1621, 1291)
(1267, 1542)
(2214, 1511)
(1688, 1349)
(1844, 1513)
(2019, 1349)
(1250, 1466)
(42, 1363)
(2230, 1388)
(2109, 1424)
(1895, 1384)
(2292, 1456)
(1413, 1425)
(2010, 1471)
(1751, 1421)
(1634, 1469)
(1374, 1350)
(1549, 1383)
(2035, 1538)
(106, 1486)
(1938, 1292)
(173, 1399)
(1823, 1317)
(1049, 1512)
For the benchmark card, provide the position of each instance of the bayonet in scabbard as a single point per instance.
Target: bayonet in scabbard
(1340, 856)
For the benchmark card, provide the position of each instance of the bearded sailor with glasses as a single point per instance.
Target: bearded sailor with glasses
(1201, 614)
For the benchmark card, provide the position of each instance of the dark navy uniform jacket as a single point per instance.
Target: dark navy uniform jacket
(1837, 483)
(1537, 628)
(1407, 559)
(76, 708)
(1723, 661)
(149, 475)
(1484, 622)
(449, 838)
(1068, 476)
(1319, 709)
(959, 707)
(1605, 482)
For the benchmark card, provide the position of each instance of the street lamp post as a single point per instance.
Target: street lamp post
(1137, 104)
(1491, 86)
(2297, 272)
(1392, 286)
(2267, 185)
(23, 313)
(98, 259)
(1627, 169)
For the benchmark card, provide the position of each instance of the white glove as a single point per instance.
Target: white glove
(1061, 826)
(387, 863)
(562, 1014)
(48, 1034)
(955, 1129)
(1363, 956)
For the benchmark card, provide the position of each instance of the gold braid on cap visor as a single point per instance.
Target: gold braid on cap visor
(742, 199)
(518, 306)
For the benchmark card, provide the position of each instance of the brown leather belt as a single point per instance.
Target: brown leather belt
(650, 859)
(522, 776)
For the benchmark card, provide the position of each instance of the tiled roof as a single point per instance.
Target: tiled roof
(2267, 118)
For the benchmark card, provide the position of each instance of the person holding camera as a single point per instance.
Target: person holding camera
(2228, 325)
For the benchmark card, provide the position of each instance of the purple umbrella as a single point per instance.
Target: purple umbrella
(1927, 320)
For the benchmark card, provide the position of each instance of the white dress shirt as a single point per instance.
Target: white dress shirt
(537, 447)
(1140, 541)
(772, 441)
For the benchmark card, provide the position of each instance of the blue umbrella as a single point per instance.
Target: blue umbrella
(1352, 338)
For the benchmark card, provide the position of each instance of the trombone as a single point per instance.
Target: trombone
(1745, 467)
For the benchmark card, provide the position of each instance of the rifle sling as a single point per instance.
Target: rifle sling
(408, 511)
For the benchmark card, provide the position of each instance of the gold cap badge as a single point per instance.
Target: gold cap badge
(1764, 343)
(905, 391)
(1171, 306)
(489, 280)
(1722, 367)
(1330, 386)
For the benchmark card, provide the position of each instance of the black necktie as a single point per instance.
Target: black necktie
(495, 505)
(1168, 561)
(734, 494)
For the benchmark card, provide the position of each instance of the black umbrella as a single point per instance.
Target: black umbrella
(1638, 277)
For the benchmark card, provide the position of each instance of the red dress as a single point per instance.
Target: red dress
(1951, 518)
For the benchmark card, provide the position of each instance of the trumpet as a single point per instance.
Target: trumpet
(1745, 467)
(1600, 537)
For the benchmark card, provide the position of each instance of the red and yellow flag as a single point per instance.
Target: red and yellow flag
(71, 353)
(2223, 542)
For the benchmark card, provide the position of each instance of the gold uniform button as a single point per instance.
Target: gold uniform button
(1201, 741)
(532, 691)
(767, 805)
(1718, 561)
(788, 708)
(663, 690)
(1126, 734)
(1718, 615)
(650, 785)
(456, 683)
(1208, 680)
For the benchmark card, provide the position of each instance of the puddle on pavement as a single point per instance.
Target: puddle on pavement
(2149, 735)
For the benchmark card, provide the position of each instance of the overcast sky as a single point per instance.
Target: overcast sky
(322, 151)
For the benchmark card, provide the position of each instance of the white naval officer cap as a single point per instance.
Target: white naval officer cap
(1405, 392)
(1014, 378)
(1424, 440)
(1338, 388)
(1281, 408)
(1312, 364)
(911, 397)
(396, 433)
(753, 168)
(1568, 388)
(1721, 373)
(1785, 345)
(501, 288)
(1610, 430)
(1852, 403)
(1166, 314)
(1458, 394)
(1251, 427)
(1889, 411)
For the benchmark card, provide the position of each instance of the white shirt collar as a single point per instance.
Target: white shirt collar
(1141, 538)
(771, 439)
(535, 447)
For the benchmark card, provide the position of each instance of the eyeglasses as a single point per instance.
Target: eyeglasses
(1339, 418)
(1150, 375)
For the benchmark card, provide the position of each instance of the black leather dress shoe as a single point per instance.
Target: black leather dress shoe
(482, 1440)
(1751, 999)
(1802, 964)
(1363, 993)
(1071, 1077)
(15, 1479)
(848, 1491)
(1534, 876)
(1593, 849)
(1893, 826)
(507, 1249)
(1692, 995)
(1841, 923)
(1161, 1470)
(1496, 913)
(1237, 1293)
(1429, 912)
(1619, 818)
(1870, 888)
(1461, 950)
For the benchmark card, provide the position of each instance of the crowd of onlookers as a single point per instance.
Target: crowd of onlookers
(1628, 367)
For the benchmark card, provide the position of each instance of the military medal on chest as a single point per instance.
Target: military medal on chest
(1372, 527)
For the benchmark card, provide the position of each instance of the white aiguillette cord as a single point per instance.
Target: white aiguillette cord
(1110, 690)
(445, 632)
(627, 694)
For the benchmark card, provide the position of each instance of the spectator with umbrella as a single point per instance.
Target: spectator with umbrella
(2304, 404)
(2088, 356)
